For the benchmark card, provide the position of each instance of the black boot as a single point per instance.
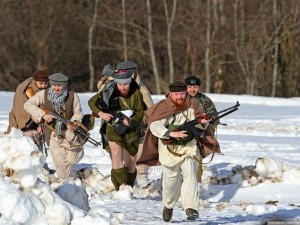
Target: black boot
(119, 177)
(191, 214)
(167, 214)
(131, 178)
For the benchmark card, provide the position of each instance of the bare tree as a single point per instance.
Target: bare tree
(90, 46)
(208, 46)
(276, 48)
(124, 30)
(170, 20)
(151, 47)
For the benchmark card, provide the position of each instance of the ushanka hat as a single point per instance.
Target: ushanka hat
(177, 86)
(58, 79)
(192, 80)
(41, 75)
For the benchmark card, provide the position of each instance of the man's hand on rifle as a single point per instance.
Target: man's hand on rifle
(72, 126)
(126, 121)
(178, 134)
(204, 119)
(105, 116)
(39, 130)
(48, 118)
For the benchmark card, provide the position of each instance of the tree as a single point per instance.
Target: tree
(90, 46)
(170, 20)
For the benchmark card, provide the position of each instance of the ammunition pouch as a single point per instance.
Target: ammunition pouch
(88, 121)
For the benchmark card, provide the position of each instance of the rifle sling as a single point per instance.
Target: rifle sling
(198, 160)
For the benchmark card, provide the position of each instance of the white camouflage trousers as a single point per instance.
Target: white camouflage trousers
(181, 179)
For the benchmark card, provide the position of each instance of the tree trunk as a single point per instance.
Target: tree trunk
(208, 45)
(90, 47)
(276, 49)
(151, 47)
(169, 42)
(124, 31)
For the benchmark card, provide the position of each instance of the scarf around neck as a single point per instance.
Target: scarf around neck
(57, 99)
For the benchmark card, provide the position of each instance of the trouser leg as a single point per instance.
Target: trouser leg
(171, 184)
(189, 189)
(199, 171)
(64, 156)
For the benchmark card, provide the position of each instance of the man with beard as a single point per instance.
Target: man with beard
(120, 133)
(178, 158)
(18, 117)
(142, 169)
(65, 146)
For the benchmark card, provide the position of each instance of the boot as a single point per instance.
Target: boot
(131, 178)
(167, 214)
(119, 177)
(191, 214)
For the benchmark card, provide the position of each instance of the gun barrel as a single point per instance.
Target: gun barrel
(232, 107)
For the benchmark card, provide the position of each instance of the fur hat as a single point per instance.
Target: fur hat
(41, 75)
(58, 79)
(192, 80)
(177, 86)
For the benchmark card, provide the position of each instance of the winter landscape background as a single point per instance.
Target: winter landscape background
(256, 179)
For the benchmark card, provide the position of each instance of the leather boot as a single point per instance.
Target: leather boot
(191, 214)
(119, 177)
(167, 214)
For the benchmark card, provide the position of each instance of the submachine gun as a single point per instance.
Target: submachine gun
(78, 128)
(120, 127)
(190, 125)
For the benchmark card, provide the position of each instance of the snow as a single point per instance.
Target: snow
(255, 180)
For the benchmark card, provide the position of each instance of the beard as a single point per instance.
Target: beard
(123, 93)
(180, 104)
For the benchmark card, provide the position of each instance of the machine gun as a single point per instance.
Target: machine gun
(226, 112)
(196, 132)
(120, 127)
(78, 127)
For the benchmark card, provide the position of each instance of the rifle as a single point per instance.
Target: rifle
(120, 127)
(43, 147)
(196, 132)
(225, 113)
(41, 143)
(82, 132)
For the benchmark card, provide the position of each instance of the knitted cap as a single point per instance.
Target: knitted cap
(192, 80)
(41, 75)
(177, 86)
(58, 79)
